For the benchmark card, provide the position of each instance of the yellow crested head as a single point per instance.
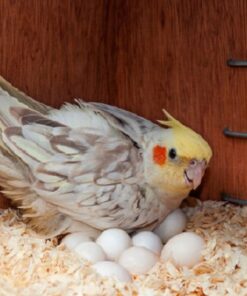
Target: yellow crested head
(188, 143)
(175, 159)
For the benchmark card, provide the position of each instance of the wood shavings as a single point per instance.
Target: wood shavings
(33, 266)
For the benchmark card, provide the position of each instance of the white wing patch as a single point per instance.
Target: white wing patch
(74, 117)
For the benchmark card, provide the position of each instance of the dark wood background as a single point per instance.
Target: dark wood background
(142, 55)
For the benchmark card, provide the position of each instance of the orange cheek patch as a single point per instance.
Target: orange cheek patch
(159, 155)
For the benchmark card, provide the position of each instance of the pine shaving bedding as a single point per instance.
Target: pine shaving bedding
(30, 265)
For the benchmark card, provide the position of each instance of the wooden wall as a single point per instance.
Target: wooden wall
(141, 55)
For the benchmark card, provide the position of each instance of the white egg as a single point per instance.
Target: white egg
(112, 269)
(114, 241)
(138, 260)
(73, 239)
(90, 251)
(173, 224)
(184, 249)
(149, 240)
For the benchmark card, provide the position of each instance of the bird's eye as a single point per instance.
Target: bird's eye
(193, 162)
(172, 153)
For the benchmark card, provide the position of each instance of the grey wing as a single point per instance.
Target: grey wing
(92, 177)
(127, 122)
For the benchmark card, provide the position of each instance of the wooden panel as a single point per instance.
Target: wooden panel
(173, 54)
(141, 55)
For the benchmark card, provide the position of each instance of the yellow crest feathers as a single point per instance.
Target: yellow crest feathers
(171, 121)
(188, 142)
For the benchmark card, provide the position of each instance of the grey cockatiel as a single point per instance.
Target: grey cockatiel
(92, 166)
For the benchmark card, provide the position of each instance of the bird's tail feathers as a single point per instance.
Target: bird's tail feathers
(7, 111)
(7, 88)
(16, 185)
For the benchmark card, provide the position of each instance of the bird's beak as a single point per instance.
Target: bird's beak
(194, 173)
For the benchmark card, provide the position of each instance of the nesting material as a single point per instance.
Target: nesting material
(32, 266)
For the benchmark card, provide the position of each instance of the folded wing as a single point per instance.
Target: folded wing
(90, 175)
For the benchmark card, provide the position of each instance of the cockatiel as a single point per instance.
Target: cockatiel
(91, 166)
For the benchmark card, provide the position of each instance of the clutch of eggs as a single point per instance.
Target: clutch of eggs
(116, 254)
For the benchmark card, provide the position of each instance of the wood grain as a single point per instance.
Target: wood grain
(141, 55)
